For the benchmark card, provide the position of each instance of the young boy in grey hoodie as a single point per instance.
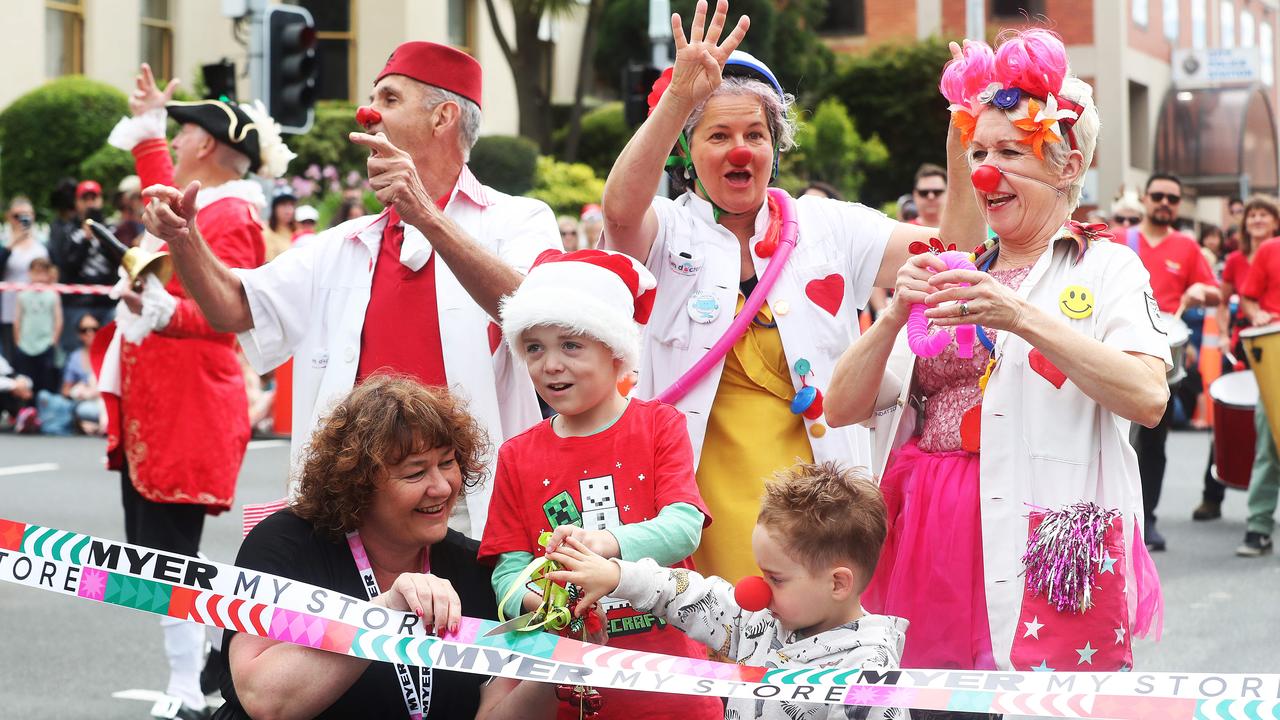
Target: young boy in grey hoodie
(817, 540)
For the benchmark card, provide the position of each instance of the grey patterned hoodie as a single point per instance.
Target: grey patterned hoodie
(704, 608)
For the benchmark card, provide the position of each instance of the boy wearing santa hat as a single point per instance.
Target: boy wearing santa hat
(614, 473)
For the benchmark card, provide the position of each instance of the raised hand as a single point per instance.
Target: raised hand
(147, 95)
(394, 179)
(701, 56)
(170, 213)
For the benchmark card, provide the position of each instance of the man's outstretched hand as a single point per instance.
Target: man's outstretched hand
(171, 213)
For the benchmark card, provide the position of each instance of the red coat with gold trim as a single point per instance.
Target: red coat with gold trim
(184, 415)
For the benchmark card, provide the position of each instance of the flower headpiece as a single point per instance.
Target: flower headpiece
(1030, 64)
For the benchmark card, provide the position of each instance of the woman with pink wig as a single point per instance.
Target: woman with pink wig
(1014, 500)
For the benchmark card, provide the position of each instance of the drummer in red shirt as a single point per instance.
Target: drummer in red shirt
(1180, 279)
(1261, 299)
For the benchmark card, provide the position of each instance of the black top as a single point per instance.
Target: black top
(81, 260)
(286, 545)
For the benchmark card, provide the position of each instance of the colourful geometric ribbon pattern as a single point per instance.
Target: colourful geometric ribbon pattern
(237, 599)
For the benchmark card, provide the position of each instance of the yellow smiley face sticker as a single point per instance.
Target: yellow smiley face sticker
(1076, 302)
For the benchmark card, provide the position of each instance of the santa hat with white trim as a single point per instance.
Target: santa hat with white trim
(605, 295)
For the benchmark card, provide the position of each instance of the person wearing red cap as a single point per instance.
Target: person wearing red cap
(80, 260)
(178, 417)
(411, 290)
(612, 473)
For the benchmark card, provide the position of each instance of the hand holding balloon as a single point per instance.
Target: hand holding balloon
(924, 344)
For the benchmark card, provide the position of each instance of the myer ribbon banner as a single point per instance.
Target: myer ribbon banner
(234, 598)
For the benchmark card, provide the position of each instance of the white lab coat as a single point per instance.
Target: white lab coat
(836, 258)
(1049, 447)
(309, 303)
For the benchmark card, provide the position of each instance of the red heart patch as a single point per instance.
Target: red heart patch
(1046, 369)
(827, 293)
(971, 429)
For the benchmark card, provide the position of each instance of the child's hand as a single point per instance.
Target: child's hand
(595, 575)
(600, 542)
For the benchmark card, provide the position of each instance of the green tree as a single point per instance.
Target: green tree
(530, 63)
(506, 162)
(48, 132)
(781, 36)
(604, 133)
(566, 187)
(830, 149)
(327, 143)
(892, 92)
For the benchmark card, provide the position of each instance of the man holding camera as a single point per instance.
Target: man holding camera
(81, 261)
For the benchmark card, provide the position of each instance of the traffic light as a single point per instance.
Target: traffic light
(637, 81)
(289, 53)
(220, 80)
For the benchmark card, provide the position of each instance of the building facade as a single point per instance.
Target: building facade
(107, 39)
(1213, 137)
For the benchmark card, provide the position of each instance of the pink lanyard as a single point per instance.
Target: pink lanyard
(417, 710)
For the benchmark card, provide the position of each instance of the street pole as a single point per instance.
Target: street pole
(257, 63)
(659, 41)
(975, 21)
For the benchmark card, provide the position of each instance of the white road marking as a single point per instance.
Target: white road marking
(264, 444)
(27, 469)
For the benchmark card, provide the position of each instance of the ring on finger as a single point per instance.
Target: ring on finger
(964, 309)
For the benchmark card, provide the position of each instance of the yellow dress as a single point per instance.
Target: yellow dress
(751, 433)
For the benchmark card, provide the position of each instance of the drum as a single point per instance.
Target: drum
(1234, 396)
(1179, 334)
(1262, 352)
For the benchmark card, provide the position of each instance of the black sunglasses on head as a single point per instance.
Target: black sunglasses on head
(930, 192)
(1161, 197)
(1126, 220)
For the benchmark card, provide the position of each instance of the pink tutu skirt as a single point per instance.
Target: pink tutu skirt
(930, 570)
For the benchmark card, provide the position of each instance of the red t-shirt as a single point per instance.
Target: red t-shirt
(402, 321)
(1175, 265)
(1235, 270)
(1263, 283)
(627, 473)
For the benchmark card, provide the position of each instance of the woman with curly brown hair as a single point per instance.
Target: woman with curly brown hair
(379, 479)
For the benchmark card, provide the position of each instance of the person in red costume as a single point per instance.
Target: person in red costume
(178, 419)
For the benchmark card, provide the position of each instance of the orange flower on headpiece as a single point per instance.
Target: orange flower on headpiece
(1039, 123)
(965, 118)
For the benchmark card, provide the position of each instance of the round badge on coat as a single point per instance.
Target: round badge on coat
(703, 307)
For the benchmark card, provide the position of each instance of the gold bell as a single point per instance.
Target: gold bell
(138, 263)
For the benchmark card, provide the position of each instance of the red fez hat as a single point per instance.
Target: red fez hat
(438, 65)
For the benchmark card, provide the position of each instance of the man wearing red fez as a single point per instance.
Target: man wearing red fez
(178, 420)
(411, 291)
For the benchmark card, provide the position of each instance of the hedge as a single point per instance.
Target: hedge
(49, 132)
(505, 162)
(326, 143)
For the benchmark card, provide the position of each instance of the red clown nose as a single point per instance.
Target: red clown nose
(752, 593)
(367, 116)
(740, 156)
(987, 178)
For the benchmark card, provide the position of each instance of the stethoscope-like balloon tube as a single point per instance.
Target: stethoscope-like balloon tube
(927, 345)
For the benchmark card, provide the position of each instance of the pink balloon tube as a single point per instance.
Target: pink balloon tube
(926, 344)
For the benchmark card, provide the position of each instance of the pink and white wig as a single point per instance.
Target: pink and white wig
(1027, 66)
